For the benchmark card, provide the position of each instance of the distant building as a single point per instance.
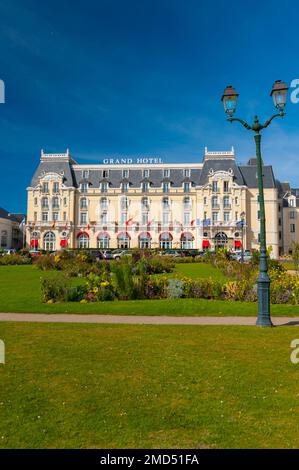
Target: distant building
(122, 204)
(11, 230)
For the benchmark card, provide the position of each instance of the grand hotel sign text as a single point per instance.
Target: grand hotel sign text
(129, 161)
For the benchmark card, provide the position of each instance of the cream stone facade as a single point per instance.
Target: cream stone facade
(153, 205)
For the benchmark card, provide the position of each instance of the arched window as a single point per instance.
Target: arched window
(187, 240)
(165, 240)
(49, 241)
(83, 240)
(45, 203)
(123, 241)
(103, 241)
(145, 240)
(165, 203)
(55, 202)
(215, 202)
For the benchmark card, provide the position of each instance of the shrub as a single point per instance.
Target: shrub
(175, 289)
(16, 259)
(54, 289)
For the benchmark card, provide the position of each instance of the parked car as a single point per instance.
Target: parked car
(10, 251)
(97, 254)
(107, 254)
(121, 254)
(173, 253)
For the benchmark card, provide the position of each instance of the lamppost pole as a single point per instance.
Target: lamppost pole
(242, 228)
(229, 99)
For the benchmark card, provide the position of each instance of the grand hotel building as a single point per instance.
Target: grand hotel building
(157, 205)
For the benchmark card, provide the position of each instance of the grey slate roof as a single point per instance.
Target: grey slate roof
(220, 165)
(249, 173)
(55, 167)
(4, 214)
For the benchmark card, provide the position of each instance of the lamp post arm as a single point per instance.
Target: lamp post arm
(247, 126)
(268, 122)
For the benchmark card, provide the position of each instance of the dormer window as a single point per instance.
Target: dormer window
(186, 187)
(144, 187)
(292, 202)
(166, 187)
(105, 173)
(215, 186)
(145, 173)
(187, 173)
(125, 173)
(166, 173)
(124, 187)
(85, 174)
(84, 187)
(104, 187)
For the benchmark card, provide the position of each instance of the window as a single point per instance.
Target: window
(144, 186)
(214, 217)
(123, 218)
(279, 221)
(124, 203)
(165, 187)
(187, 218)
(83, 218)
(64, 216)
(165, 203)
(292, 214)
(145, 173)
(144, 203)
(292, 202)
(104, 187)
(104, 218)
(124, 187)
(85, 174)
(65, 201)
(45, 203)
(55, 202)
(187, 241)
(83, 240)
(105, 173)
(187, 203)
(125, 173)
(292, 228)
(144, 240)
(187, 173)
(205, 215)
(84, 187)
(103, 241)
(186, 187)
(35, 216)
(165, 241)
(166, 173)
(236, 201)
(83, 203)
(35, 201)
(4, 238)
(49, 241)
(45, 187)
(226, 202)
(123, 241)
(215, 186)
(215, 204)
(165, 218)
(55, 187)
(104, 203)
(55, 216)
(144, 217)
(225, 187)
(205, 201)
(226, 216)
(45, 216)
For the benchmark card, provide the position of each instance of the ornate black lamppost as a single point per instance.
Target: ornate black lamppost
(279, 94)
(242, 223)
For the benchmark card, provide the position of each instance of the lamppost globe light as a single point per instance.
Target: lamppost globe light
(279, 95)
(229, 100)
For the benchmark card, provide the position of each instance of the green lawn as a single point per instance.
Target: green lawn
(20, 292)
(91, 386)
(198, 270)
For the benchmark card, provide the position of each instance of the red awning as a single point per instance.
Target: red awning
(167, 234)
(103, 234)
(124, 233)
(187, 235)
(82, 233)
(34, 242)
(238, 244)
(63, 243)
(205, 244)
(145, 235)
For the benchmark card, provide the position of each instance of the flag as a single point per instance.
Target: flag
(88, 227)
(22, 224)
(129, 222)
(65, 227)
(192, 223)
(206, 222)
(54, 223)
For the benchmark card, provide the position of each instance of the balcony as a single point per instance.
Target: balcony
(215, 206)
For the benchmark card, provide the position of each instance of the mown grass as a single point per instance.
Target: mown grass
(121, 386)
(20, 292)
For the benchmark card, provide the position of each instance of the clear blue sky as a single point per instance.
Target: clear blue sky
(141, 77)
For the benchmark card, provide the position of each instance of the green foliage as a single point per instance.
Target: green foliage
(54, 289)
(175, 288)
(10, 260)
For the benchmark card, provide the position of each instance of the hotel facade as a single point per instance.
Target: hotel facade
(151, 204)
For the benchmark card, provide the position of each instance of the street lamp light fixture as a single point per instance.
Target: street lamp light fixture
(229, 98)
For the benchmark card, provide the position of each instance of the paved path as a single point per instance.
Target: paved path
(140, 320)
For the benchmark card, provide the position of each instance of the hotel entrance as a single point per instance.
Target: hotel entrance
(220, 240)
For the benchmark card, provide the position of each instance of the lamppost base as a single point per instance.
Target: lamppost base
(264, 323)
